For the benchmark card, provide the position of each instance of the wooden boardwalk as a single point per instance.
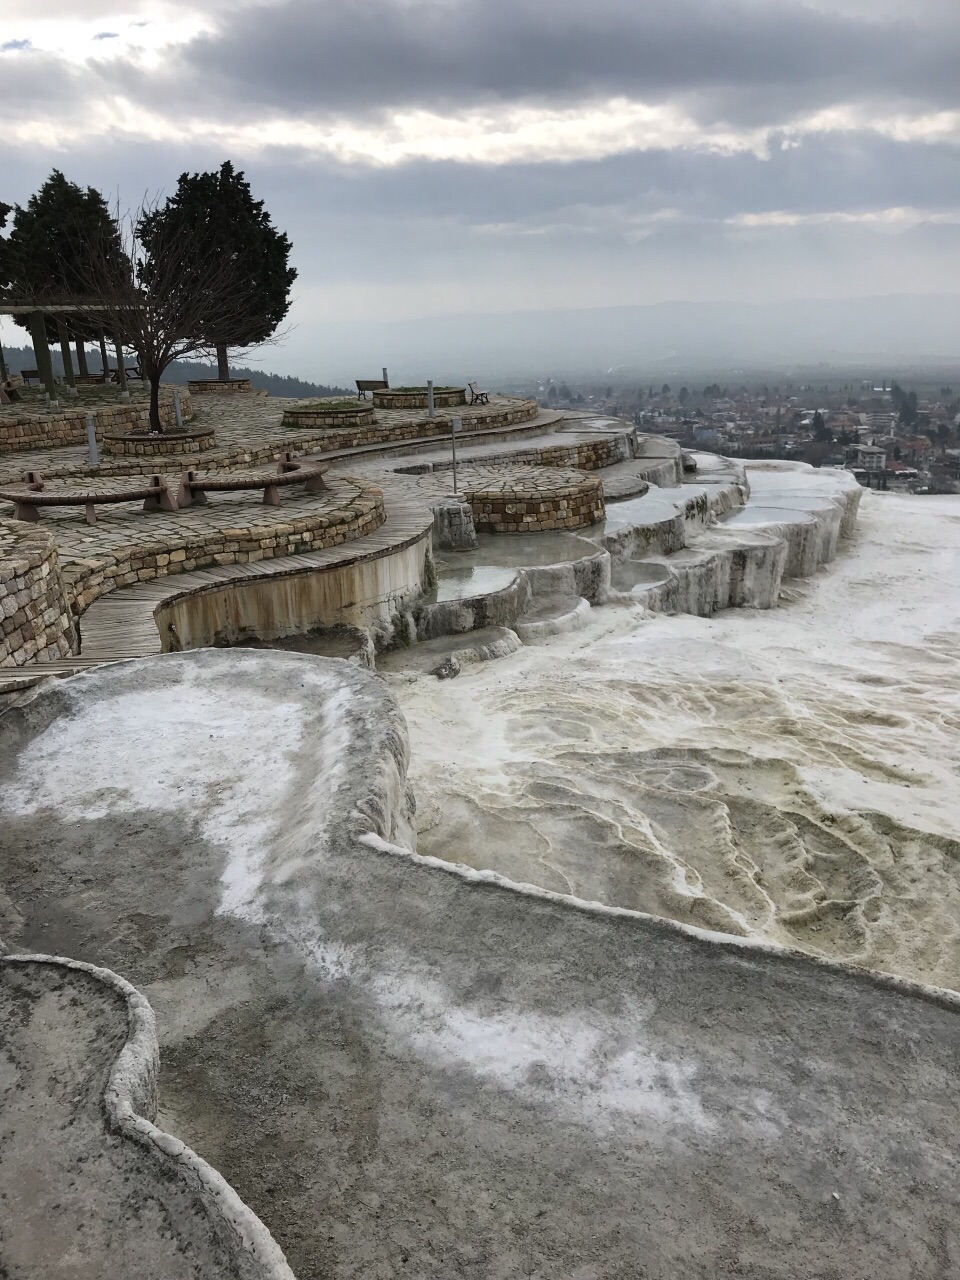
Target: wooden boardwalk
(120, 625)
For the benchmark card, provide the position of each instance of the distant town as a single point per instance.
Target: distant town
(888, 435)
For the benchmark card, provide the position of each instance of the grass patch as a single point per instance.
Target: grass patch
(330, 406)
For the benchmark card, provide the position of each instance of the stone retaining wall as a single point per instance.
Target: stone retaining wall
(361, 512)
(35, 619)
(22, 428)
(315, 416)
(218, 387)
(143, 444)
(537, 501)
(252, 454)
(417, 428)
(447, 398)
(587, 455)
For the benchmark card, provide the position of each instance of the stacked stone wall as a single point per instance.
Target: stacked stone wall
(448, 398)
(224, 387)
(356, 437)
(35, 619)
(361, 512)
(22, 429)
(144, 444)
(305, 419)
(588, 455)
(538, 502)
(327, 441)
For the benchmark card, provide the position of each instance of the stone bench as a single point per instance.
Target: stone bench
(32, 495)
(194, 488)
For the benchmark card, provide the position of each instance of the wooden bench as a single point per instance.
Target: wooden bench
(476, 395)
(30, 375)
(133, 372)
(89, 379)
(369, 384)
(194, 488)
(28, 499)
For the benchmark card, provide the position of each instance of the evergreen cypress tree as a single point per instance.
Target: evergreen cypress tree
(217, 210)
(47, 257)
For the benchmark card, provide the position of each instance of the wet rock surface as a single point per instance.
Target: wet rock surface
(404, 1070)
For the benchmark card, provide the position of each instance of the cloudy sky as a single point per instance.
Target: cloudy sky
(434, 157)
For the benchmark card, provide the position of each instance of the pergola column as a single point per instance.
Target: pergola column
(3, 365)
(38, 332)
(64, 337)
(103, 356)
(121, 371)
(81, 357)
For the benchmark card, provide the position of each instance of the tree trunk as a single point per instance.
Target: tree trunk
(41, 352)
(223, 369)
(156, 426)
(103, 353)
(82, 359)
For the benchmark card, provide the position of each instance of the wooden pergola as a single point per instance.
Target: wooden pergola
(38, 333)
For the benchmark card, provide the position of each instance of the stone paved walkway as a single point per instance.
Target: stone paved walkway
(238, 420)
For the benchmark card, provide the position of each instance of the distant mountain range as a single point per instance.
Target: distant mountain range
(878, 333)
(880, 336)
(182, 371)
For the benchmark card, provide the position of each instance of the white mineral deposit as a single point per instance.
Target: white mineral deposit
(787, 774)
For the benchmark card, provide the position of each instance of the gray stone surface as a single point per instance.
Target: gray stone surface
(90, 1188)
(408, 1071)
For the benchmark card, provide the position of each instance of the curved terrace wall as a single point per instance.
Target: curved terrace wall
(35, 619)
(42, 429)
(369, 592)
(308, 440)
(537, 501)
(502, 414)
(416, 398)
(584, 455)
(307, 417)
(360, 512)
(220, 386)
(146, 444)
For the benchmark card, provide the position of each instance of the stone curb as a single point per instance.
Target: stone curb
(132, 1089)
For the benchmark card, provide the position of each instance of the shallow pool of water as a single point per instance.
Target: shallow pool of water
(516, 551)
(769, 515)
(463, 582)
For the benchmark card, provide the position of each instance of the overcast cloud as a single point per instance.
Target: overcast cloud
(431, 157)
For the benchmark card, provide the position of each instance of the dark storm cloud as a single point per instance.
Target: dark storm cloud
(740, 60)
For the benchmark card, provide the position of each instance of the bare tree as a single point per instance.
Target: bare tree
(164, 296)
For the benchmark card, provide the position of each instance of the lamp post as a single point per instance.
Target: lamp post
(455, 425)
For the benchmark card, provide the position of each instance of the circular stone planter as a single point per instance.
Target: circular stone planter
(149, 444)
(537, 499)
(219, 386)
(416, 398)
(315, 415)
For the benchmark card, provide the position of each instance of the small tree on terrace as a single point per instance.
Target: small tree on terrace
(165, 295)
(219, 214)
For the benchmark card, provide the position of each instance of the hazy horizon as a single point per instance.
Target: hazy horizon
(450, 170)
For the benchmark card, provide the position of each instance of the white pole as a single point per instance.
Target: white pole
(385, 378)
(456, 424)
(92, 441)
(429, 398)
(176, 408)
